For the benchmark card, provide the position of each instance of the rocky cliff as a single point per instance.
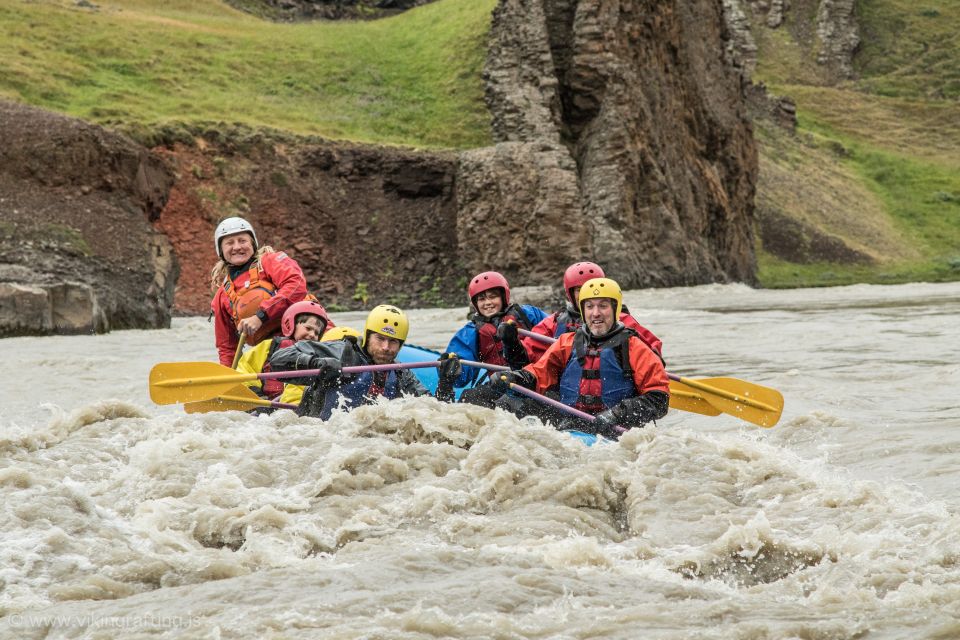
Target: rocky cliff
(621, 136)
(77, 249)
(632, 118)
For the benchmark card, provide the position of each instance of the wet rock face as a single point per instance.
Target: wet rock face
(652, 116)
(510, 198)
(76, 203)
(63, 308)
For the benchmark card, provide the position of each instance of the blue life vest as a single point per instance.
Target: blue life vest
(594, 378)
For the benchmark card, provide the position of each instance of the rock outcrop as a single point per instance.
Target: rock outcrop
(637, 105)
(838, 35)
(77, 249)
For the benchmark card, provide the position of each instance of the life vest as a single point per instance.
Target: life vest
(598, 374)
(489, 346)
(273, 388)
(245, 301)
(361, 390)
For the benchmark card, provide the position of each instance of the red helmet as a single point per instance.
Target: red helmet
(288, 322)
(488, 280)
(577, 274)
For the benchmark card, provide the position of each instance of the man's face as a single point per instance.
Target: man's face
(382, 349)
(489, 302)
(598, 315)
(237, 249)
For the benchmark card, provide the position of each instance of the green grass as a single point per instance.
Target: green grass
(876, 160)
(910, 48)
(902, 205)
(413, 79)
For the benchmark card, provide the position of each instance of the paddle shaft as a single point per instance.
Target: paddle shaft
(283, 375)
(537, 336)
(236, 356)
(530, 393)
(484, 365)
(260, 402)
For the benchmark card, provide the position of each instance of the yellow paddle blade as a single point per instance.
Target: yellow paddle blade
(239, 398)
(172, 382)
(684, 398)
(745, 400)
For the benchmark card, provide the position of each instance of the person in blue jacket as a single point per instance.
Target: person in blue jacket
(491, 334)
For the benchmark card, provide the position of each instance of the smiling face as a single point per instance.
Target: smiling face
(308, 328)
(237, 249)
(598, 316)
(382, 349)
(489, 302)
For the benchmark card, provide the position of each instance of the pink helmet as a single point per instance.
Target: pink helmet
(288, 322)
(488, 280)
(577, 274)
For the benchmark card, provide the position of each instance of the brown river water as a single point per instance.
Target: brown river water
(418, 520)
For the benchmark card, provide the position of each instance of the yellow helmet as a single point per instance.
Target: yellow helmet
(602, 288)
(387, 320)
(339, 333)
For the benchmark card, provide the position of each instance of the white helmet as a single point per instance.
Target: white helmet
(229, 227)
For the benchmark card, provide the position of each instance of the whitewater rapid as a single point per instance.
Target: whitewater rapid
(415, 519)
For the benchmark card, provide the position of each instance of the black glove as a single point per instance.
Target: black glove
(606, 424)
(449, 370)
(329, 371)
(507, 332)
(513, 350)
(450, 367)
(522, 377)
(638, 411)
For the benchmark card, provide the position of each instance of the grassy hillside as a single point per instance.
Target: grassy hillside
(413, 79)
(876, 161)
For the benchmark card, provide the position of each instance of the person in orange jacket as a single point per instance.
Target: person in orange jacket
(561, 322)
(254, 286)
(603, 368)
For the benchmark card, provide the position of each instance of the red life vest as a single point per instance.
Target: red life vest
(489, 346)
(273, 388)
(245, 301)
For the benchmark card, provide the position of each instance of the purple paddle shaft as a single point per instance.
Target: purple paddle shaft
(536, 336)
(550, 401)
(306, 373)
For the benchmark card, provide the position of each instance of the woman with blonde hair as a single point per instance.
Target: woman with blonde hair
(253, 286)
